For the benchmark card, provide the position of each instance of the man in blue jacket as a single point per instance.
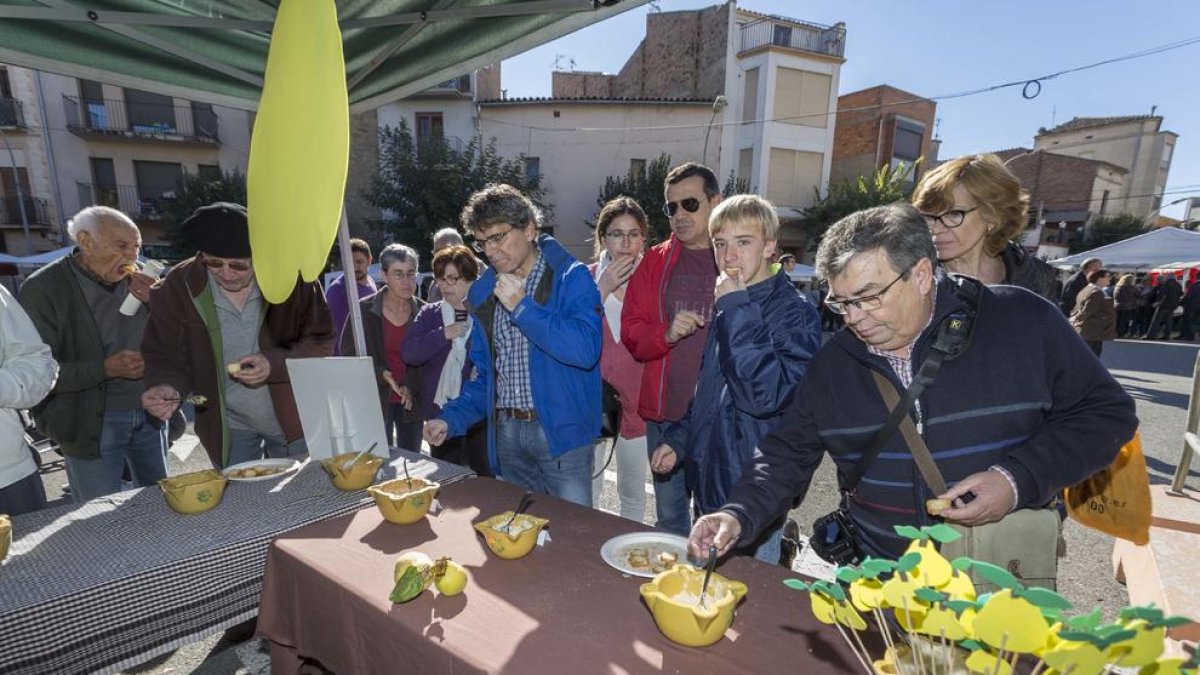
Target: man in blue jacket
(536, 346)
(755, 355)
(1023, 411)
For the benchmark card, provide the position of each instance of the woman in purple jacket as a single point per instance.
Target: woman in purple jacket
(437, 343)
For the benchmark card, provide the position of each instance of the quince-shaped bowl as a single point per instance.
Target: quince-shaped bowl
(404, 501)
(355, 477)
(674, 601)
(195, 492)
(511, 542)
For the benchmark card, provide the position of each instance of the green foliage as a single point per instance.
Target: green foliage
(1108, 230)
(886, 186)
(196, 191)
(646, 188)
(423, 187)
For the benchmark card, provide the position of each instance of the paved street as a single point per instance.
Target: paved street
(1157, 374)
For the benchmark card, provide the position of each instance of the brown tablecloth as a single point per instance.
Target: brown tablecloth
(560, 609)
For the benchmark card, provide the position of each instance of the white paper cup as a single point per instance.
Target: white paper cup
(130, 305)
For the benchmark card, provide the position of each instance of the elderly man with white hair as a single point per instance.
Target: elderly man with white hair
(94, 411)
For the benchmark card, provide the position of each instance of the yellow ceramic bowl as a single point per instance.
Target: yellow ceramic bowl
(515, 543)
(358, 476)
(5, 535)
(402, 501)
(194, 492)
(673, 598)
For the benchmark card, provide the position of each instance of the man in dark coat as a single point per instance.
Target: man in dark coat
(1165, 298)
(1070, 292)
(1191, 310)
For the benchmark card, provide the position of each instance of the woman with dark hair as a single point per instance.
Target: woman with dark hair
(976, 210)
(437, 344)
(387, 317)
(1094, 317)
(621, 231)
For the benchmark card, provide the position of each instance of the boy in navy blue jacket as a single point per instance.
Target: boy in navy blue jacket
(764, 332)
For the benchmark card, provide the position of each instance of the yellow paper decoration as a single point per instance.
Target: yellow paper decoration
(1082, 658)
(296, 177)
(822, 607)
(938, 622)
(898, 593)
(959, 587)
(1140, 650)
(848, 617)
(986, 662)
(866, 594)
(1164, 667)
(1012, 624)
(933, 570)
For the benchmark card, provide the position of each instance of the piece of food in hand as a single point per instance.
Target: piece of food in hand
(936, 506)
(234, 368)
(450, 578)
(130, 269)
(413, 574)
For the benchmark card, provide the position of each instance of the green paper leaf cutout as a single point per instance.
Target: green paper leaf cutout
(1148, 612)
(836, 592)
(942, 533)
(1045, 598)
(970, 645)
(873, 567)
(1173, 621)
(959, 606)
(908, 532)
(908, 561)
(929, 595)
(997, 575)
(1116, 636)
(1052, 615)
(1079, 636)
(795, 584)
(962, 564)
(1087, 621)
(848, 574)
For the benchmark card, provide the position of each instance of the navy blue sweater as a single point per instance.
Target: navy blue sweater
(1027, 395)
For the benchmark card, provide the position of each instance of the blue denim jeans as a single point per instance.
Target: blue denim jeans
(672, 498)
(771, 548)
(129, 437)
(406, 435)
(23, 496)
(247, 446)
(525, 460)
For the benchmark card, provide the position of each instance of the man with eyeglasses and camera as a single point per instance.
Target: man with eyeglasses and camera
(996, 399)
(80, 305)
(665, 323)
(535, 343)
(246, 407)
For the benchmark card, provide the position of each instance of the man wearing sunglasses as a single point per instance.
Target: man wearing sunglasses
(249, 408)
(665, 322)
(93, 412)
(1020, 411)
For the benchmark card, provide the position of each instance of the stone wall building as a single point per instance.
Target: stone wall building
(882, 126)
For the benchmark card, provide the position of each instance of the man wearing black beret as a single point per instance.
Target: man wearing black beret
(214, 335)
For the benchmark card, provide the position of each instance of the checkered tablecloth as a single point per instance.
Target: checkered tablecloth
(121, 579)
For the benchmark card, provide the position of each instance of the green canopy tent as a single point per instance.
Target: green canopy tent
(215, 51)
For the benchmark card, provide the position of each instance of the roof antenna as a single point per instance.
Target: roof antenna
(1153, 109)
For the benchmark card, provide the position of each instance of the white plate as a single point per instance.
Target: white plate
(615, 550)
(288, 466)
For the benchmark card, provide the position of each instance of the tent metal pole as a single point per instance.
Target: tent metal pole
(387, 52)
(484, 12)
(350, 285)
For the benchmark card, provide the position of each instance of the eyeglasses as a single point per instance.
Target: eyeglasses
(949, 219)
(448, 280)
(481, 245)
(691, 205)
(867, 303)
(215, 264)
(627, 236)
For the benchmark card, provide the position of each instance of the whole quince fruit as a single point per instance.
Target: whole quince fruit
(452, 580)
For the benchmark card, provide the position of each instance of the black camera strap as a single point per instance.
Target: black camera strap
(952, 338)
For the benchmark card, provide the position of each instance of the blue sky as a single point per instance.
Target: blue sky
(937, 47)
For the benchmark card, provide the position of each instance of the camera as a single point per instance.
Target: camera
(833, 539)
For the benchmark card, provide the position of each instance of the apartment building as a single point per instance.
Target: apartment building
(883, 126)
(1136, 143)
(83, 142)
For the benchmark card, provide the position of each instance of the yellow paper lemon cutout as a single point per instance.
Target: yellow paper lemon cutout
(1011, 623)
(1164, 667)
(822, 607)
(986, 662)
(899, 593)
(866, 594)
(299, 149)
(1082, 658)
(941, 622)
(959, 587)
(1140, 650)
(933, 570)
(1052, 640)
(848, 616)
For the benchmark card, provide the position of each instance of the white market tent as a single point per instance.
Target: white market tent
(1161, 248)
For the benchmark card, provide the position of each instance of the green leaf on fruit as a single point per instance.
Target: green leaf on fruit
(1045, 598)
(908, 532)
(795, 584)
(962, 564)
(1089, 621)
(848, 575)
(942, 533)
(908, 561)
(996, 575)
(929, 595)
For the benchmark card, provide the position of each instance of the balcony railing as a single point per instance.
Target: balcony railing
(12, 114)
(37, 211)
(125, 198)
(809, 37)
(141, 120)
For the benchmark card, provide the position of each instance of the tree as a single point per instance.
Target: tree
(195, 191)
(885, 186)
(422, 187)
(1108, 230)
(646, 188)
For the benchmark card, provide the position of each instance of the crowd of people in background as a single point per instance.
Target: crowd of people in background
(708, 342)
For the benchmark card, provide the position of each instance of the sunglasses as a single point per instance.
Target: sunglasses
(235, 265)
(691, 205)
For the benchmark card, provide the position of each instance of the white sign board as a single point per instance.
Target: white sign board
(339, 405)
